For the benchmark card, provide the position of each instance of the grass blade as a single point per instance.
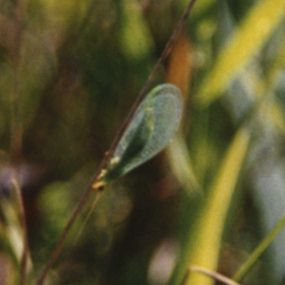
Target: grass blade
(204, 244)
(255, 255)
(256, 28)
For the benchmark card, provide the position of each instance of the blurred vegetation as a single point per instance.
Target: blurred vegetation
(69, 73)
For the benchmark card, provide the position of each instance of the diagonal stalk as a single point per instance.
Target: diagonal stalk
(61, 241)
(97, 183)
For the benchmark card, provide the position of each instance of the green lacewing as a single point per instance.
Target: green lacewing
(150, 129)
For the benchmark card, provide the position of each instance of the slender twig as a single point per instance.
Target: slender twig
(59, 246)
(97, 181)
(165, 53)
(212, 274)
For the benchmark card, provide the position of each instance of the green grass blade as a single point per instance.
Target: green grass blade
(182, 166)
(260, 249)
(204, 244)
(255, 29)
(210, 227)
(135, 38)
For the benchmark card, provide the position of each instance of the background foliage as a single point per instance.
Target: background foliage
(69, 72)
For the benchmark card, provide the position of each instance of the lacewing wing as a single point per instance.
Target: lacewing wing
(151, 128)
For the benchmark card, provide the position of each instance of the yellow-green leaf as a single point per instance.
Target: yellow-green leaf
(135, 37)
(181, 164)
(208, 233)
(253, 32)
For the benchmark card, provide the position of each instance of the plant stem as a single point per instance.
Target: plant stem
(97, 183)
(259, 250)
(62, 239)
(212, 274)
(165, 53)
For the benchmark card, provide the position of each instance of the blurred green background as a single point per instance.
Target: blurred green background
(69, 73)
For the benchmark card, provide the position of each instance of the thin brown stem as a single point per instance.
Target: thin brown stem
(97, 183)
(165, 53)
(63, 237)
